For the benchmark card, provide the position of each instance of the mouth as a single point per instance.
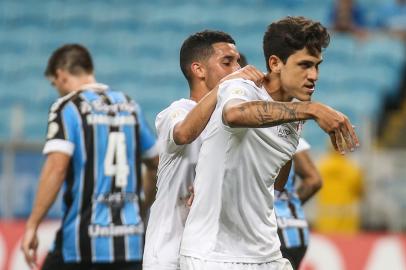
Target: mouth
(310, 88)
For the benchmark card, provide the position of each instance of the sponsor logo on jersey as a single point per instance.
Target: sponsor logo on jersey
(95, 230)
(284, 131)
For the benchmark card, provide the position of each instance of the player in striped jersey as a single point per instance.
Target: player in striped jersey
(95, 143)
(293, 230)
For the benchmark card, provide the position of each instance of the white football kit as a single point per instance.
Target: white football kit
(232, 218)
(176, 172)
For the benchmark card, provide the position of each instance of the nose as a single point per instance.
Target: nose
(313, 74)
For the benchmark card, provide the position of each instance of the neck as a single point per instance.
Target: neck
(273, 87)
(82, 80)
(198, 91)
(86, 79)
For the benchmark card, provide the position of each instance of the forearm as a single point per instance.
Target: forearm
(149, 188)
(311, 181)
(267, 113)
(149, 182)
(194, 123)
(48, 189)
(305, 192)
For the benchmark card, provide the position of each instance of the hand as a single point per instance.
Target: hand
(191, 197)
(29, 247)
(249, 73)
(337, 126)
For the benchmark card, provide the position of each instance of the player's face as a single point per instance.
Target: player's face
(222, 62)
(299, 74)
(62, 82)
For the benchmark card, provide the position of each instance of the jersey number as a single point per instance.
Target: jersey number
(117, 152)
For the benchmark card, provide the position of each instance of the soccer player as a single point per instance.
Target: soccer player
(205, 58)
(253, 132)
(95, 143)
(293, 229)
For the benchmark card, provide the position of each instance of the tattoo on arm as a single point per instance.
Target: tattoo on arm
(265, 113)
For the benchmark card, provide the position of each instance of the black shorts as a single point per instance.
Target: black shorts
(54, 261)
(294, 255)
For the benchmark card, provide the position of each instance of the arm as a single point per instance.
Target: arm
(51, 179)
(149, 181)
(187, 130)
(194, 123)
(283, 176)
(311, 179)
(238, 113)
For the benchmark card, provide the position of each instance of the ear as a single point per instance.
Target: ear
(61, 75)
(198, 70)
(275, 64)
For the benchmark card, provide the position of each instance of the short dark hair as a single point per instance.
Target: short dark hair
(198, 47)
(290, 34)
(74, 58)
(243, 60)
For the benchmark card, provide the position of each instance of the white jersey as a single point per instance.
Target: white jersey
(176, 172)
(232, 217)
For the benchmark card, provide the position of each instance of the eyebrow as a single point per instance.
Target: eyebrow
(310, 62)
(229, 57)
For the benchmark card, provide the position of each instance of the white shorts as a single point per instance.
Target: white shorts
(190, 263)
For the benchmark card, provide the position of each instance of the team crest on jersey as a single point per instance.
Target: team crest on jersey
(175, 114)
(237, 91)
(52, 130)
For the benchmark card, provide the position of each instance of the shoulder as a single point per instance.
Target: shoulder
(237, 87)
(180, 105)
(174, 111)
(62, 101)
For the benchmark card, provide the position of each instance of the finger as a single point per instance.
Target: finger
(353, 135)
(254, 75)
(333, 141)
(347, 137)
(339, 141)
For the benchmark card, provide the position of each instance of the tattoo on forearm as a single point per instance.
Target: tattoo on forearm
(271, 113)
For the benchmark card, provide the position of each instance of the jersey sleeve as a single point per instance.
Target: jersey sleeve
(62, 123)
(236, 89)
(302, 146)
(148, 143)
(165, 124)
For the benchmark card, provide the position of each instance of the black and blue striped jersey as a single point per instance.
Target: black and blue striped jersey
(293, 230)
(106, 135)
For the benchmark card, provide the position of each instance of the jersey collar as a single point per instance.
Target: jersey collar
(94, 86)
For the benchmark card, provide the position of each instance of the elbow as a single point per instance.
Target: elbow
(180, 137)
(230, 117)
(317, 184)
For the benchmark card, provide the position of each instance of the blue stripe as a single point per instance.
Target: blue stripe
(292, 237)
(71, 119)
(130, 213)
(102, 246)
(101, 215)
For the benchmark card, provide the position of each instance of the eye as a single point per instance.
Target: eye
(305, 65)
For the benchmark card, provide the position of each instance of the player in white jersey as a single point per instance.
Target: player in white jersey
(205, 58)
(249, 138)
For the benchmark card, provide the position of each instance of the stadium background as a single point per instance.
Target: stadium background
(135, 45)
